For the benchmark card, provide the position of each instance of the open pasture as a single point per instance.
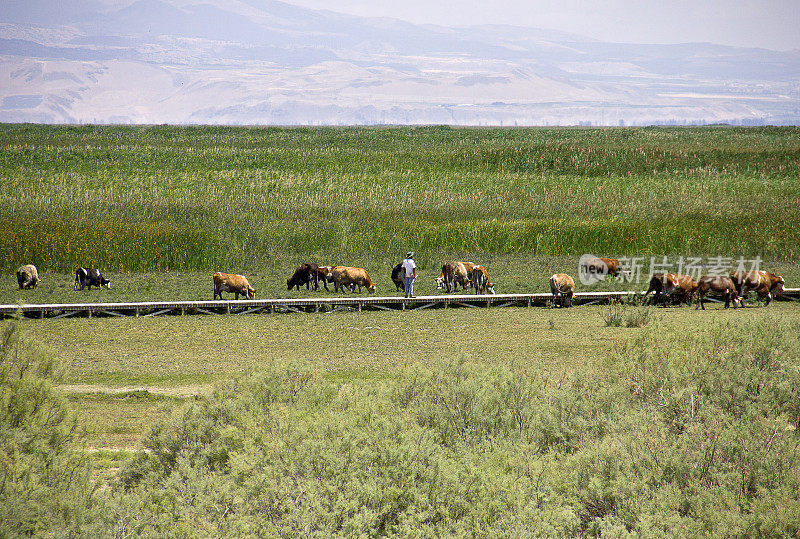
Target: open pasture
(173, 358)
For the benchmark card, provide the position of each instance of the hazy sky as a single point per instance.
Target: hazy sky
(773, 24)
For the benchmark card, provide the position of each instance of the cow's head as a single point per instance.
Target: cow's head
(371, 289)
(439, 283)
(105, 282)
(251, 292)
(490, 288)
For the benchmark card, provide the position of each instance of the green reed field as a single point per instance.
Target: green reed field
(133, 199)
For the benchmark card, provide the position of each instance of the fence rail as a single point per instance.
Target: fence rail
(324, 304)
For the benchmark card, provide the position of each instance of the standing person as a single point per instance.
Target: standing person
(409, 274)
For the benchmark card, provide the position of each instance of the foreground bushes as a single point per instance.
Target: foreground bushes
(677, 438)
(45, 486)
(673, 434)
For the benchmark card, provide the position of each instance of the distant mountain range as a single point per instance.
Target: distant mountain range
(268, 62)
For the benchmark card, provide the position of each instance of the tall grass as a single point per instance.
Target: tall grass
(139, 198)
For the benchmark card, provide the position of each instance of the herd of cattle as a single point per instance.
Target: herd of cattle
(466, 274)
(675, 288)
(667, 288)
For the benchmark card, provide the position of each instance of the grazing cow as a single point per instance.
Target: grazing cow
(397, 277)
(763, 282)
(562, 286)
(229, 282)
(469, 266)
(717, 285)
(305, 274)
(324, 276)
(671, 286)
(89, 277)
(684, 287)
(453, 274)
(27, 276)
(350, 277)
(480, 280)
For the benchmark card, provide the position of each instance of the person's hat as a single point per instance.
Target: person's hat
(410, 254)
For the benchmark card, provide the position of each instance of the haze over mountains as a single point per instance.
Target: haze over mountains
(268, 62)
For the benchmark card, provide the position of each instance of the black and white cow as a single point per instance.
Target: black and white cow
(90, 277)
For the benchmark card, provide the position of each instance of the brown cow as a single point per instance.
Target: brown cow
(469, 266)
(350, 277)
(600, 268)
(27, 276)
(684, 287)
(325, 276)
(671, 286)
(453, 274)
(717, 285)
(763, 282)
(562, 286)
(613, 266)
(228, 282)
(480, 280)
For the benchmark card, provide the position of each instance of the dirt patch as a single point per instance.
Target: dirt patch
(175, 391)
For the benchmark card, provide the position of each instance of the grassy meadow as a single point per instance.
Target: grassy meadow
(481, 422)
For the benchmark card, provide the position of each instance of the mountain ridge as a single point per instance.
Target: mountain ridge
(165, 61)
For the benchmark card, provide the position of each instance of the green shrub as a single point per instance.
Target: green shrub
(683, 440)
(45, 486)
(618, 314)
(260, 457)
(637, 317)
(613, 314)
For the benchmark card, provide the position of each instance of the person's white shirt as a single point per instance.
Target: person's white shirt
(408, 266)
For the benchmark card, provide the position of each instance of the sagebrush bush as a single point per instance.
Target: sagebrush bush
(618, 314)
(689, 440)
(613, 314)
(45, 486)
